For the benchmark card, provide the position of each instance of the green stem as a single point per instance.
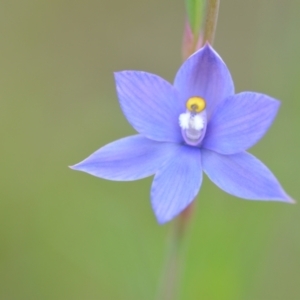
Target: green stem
(169, 289)
(193, 41)
(210, 23)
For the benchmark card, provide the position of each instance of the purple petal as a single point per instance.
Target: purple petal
(177, 183)
(239, 122)
(130, 158)
(205, 75)
(243, 175)
(150, 104)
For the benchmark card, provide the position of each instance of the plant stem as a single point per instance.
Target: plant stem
(191, 41)
(169, 289)
(210, 23)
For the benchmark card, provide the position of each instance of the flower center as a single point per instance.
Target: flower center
(193, 121)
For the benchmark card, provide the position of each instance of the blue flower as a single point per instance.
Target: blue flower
(197, 124)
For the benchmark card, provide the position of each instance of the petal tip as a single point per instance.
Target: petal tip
(286, 198)
(118, 74)
(161, 215)
(75, 167)
(163, 218)
(207, 45)
(210, 49)
(161, 221)
(206, 49)
(290, 200)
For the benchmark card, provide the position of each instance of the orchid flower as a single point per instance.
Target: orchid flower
(196, 125)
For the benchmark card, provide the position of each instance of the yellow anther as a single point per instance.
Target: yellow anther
(196, 104)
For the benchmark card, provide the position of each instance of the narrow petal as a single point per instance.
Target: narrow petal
(150, 104)
(239, 122)
(204, 74)
(177, 183)
(130, 158)
(243, 175)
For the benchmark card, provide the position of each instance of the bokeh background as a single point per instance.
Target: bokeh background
(66, 235)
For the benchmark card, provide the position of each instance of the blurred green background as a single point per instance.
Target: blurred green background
(66, 235)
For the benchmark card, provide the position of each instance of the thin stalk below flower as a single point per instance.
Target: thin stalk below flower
(169, 288)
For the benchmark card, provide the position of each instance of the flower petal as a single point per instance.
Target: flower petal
(150, 104)
(239, 122)
(243, 175)
(130, 158)
(177, 183)
(204, 74)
